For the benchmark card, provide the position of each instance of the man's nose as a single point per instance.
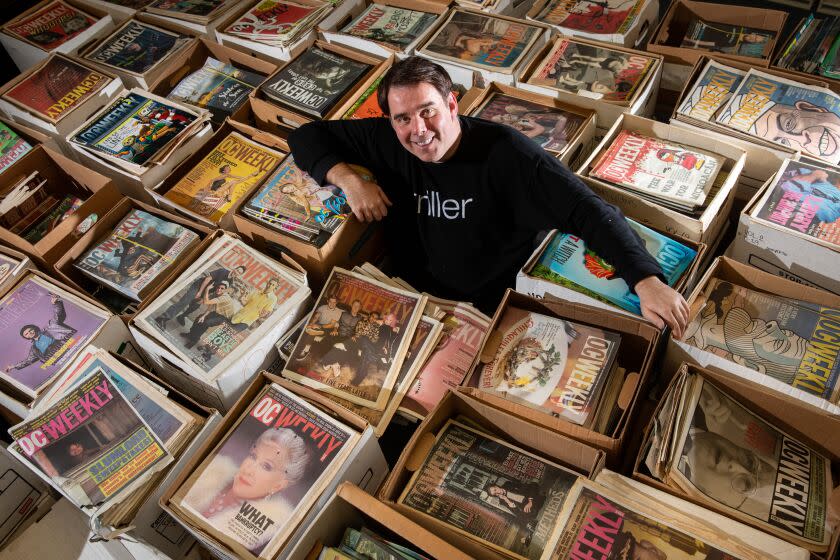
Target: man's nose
(418, 126)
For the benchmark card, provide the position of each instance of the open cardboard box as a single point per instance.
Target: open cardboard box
(59, 172)
(34, 137)
(639, 341)
(26, 54)
(16, 273)
(65, 270)
(705, 228)
(22, 490)
(634, 35)
(520, 432)
(192, 58)
(191, 27)
(476, 97)
(365, 466)
(832, 83)
(808, 424)
(117, 12)
(643, 103)
(742, 275)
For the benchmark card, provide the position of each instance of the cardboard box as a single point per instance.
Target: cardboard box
(636, 353)
(24, 497)
(828, 7)
(668, 36)
(280, 119)
(607, 113)
(26, 54)
(539, 287)
(833, 84)
(16, 273)
(31, 135)
(279, 55)
(742, 275)
(475, 97)
(60, 172)
(190, 27)
(634, 36)
(117, 12)
(351, 506)
(550, 445)
(365, 466)
(705, 228)
(65, 270)
(333, 34)
(341, 109)
(809, 424)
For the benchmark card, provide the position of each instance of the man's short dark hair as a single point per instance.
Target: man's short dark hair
(412, 71)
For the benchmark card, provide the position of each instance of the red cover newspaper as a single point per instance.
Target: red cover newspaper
(51, 26)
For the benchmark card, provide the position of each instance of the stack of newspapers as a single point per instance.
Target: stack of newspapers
(277, 23)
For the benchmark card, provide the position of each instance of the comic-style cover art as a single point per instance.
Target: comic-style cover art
(397, 27)
(596, 71)
(566, 261)
(367, 105)
(51, 26)
(135, 47)
(804, 198)
(223, 176)
(55, 88)
(219, 87)
(804, 118)
(728, 38)
(266, 472)
(44, 328)
(556, 366)
(549, 127)
(716, 85)
(593, 18)
(490, 490)
(482, 40)
(356, 339)
(134, 128)
(12, 147)
(273, 19)
(790, 340)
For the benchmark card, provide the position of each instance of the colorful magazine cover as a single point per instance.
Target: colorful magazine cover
(219, 87)
(783, 338)
(804, 118)
(135, 47)
(596, 71)
(550, 127)
(272, 18)
(492, 491)
(55, 88)
(367, 105)
(728, 38)
(592, 18)
(710, 93)
(566, 261)
(556, 366)
(356, 339)
(223, 176)
(804, 198)
(398, 27)
(195, 8)
(139, 248)
(12, 147)
(482, 41)
(52, 25)
(134, 128)
(255, 486)
(44, 328)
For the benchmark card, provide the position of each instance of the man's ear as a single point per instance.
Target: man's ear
(452, 102)
(803, 105)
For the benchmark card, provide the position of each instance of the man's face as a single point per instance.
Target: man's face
(29, 334)
(331, 303)
(426, 124)
(221, 289)
(76, 449)
(814, 132)
(355, 307)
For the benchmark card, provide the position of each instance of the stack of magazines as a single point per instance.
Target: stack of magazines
(668, 174)
(200, 12)
(278, 23)
(31, 209)
(397, 28)
(221, 88)
(50, 26)
(728, 38)
(366, 543)
(814, 48)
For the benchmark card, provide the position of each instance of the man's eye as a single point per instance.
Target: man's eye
(427, 113)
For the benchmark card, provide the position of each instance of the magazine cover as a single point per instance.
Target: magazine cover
(485, 488)
(397, 27)
(549, 127)
(256, 485)
(55, 88)
(12, 147)
(135, 47)
(716, 85)
(367, 106)
(804, 198)
(787, 113)
(134, 128)
(51, 26)
(598, 71)
(728, 38)
(223, 176)
(91, 443)
(658, 168)
(44, 328)
(219, 87)
(314, 81)
(356, 339)
(592, 18)
(273, 19)
(482, 41)
(211, 311)
(566, 261)
(140, 248)
(556, 366)
(789, 340)
(730, 457)
(197, 10)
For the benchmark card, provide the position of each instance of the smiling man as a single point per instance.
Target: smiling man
(466, 198)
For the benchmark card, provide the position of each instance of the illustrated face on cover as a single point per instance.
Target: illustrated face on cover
(802, 126)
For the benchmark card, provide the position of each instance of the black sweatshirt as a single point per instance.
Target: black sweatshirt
(463, 228)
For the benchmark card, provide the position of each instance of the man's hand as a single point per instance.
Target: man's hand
(662, 305)
(365, 198)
